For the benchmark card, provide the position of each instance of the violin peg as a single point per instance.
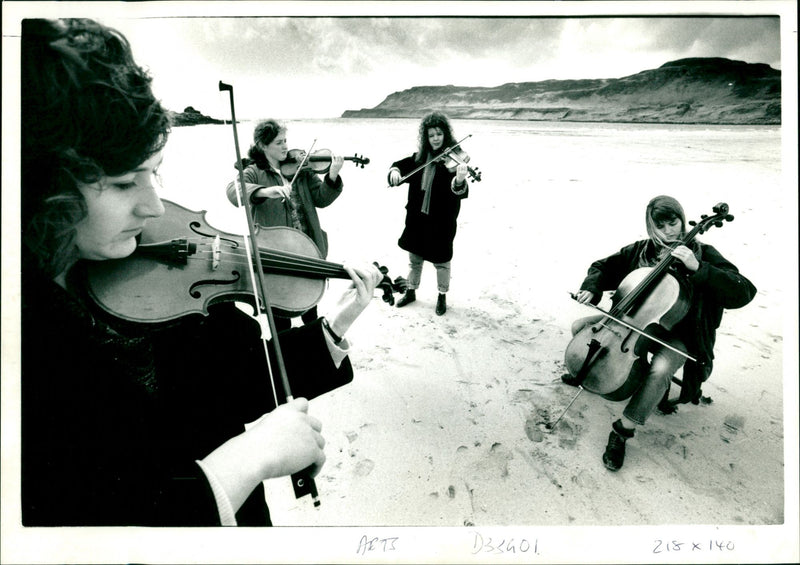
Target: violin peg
(692, 223)
(729, 217)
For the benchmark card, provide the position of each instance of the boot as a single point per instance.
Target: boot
(409, 297)
(615, 450)
(441, 305)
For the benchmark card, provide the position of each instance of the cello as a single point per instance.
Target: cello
(609, 357)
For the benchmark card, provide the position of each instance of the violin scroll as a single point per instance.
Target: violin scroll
(389, 288)
(358, 160)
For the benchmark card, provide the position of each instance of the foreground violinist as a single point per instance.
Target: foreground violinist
(434, 201)
(712, 283)
(124, 425)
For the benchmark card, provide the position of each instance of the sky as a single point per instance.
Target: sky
(320, 67)
(311, 66)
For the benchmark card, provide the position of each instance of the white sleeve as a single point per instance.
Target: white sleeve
(227, 516)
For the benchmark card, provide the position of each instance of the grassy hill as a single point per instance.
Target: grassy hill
(697, 90)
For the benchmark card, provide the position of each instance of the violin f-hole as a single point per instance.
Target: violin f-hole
(195, 293)
(195, 227)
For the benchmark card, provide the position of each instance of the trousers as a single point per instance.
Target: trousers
(415, 273)
(663, 364)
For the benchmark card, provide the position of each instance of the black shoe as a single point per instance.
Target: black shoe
(441, 305)
(570, 380)
(615, 450)
(409, 297)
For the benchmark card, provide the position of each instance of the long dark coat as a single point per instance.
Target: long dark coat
(717, 285)
(112, 424)
(430, 235)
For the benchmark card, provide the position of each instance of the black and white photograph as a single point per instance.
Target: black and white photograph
(400, 282)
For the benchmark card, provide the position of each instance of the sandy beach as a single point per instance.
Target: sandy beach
(439, 451)
(441, 436)
(444, 423)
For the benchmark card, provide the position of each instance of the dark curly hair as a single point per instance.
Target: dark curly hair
(433, 120)
(87, 111)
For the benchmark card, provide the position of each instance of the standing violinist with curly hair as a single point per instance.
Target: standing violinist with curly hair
(434, 202)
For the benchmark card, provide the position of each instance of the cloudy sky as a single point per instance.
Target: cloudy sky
(311, 66)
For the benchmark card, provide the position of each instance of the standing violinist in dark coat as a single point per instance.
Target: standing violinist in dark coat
(124, 425)
(713, 284)
(434, 201)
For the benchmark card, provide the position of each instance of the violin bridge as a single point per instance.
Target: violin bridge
(215, 254)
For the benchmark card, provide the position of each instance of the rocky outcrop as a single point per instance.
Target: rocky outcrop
(191, 117)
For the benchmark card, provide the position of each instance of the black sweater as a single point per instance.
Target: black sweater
(112, 424)
(717, 285)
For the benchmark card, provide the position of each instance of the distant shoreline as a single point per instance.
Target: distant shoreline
(640, 122)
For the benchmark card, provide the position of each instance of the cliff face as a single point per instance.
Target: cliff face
(699, 90)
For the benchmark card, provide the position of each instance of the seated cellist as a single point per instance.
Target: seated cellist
(713, 284)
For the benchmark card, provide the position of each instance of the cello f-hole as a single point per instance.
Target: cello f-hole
(623, 344)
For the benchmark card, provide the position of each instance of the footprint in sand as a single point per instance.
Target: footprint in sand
(734, 422)
(532, 430)
(364, 467)
(732, 425)
(567, 434)
(493, 464)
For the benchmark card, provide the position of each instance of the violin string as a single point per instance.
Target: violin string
(627, 303)
(293, 263)
(289, 263)
(288, 266)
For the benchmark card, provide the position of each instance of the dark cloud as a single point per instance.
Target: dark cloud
(311, 44)
(755, 39)
(364, 59)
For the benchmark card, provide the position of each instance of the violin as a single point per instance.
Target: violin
(609, 356)
(182, 265)
(452, 157)
(319, 161)
(458, 157)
